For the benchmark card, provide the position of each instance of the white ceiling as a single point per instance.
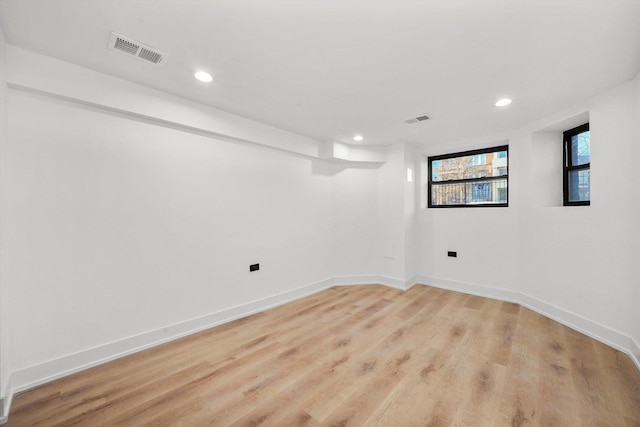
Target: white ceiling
(329, 69)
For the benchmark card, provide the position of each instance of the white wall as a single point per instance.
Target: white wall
(118, 223)
(411, 200)
(486, 239)
(374, 215)
(546, 169)
(4, 367)
(390, 212)
(120, 227)
(68, 81)
(579, 258)
(574, 263)
(124, 228)
(634, 301)
(355, 238)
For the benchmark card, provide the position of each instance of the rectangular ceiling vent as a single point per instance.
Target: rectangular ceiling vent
(417, 119)
(134, 48)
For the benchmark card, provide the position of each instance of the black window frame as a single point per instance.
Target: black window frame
(431, 183)
(568, 167)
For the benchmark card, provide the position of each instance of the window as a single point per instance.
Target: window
(477, 178)
(479, 159)
(577, 166)
(481, 192)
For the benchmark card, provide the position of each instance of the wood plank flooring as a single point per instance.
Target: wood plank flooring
(357, 356)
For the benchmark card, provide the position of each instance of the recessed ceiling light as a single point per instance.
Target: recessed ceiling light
(503, 102)
(203, 76)
(358, 138)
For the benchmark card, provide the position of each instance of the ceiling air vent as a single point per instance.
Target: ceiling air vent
(417, 119)
(134, 48)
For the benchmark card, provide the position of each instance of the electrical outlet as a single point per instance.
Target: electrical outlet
(452, 254)
(254, 267)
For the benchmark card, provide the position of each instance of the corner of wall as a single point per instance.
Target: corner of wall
(352, 155)
(595, 330)
(33, 376)
(3, 414)
(635, 333)
(5, 403)
(635, 353)
(5, 394)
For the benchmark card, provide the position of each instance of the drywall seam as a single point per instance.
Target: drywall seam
(595, 330)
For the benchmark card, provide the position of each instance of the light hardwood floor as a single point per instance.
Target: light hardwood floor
(356, 356)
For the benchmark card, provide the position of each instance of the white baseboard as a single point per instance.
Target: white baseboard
(595, 330)
(5, 404)
(602, 333)
(635, 353)
(35, 375)
(41, 373)
(32, 376)
(3, 413)
(470, 288)
(391, 282)
(354, 280)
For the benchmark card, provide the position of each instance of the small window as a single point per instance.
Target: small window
(477, 178)
(577, 166)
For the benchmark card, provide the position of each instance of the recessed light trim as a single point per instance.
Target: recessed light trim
(503, 102)
(203, 76)
(358, 138)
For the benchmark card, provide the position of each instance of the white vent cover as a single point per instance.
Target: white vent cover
(417, 119)
(134, 48)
